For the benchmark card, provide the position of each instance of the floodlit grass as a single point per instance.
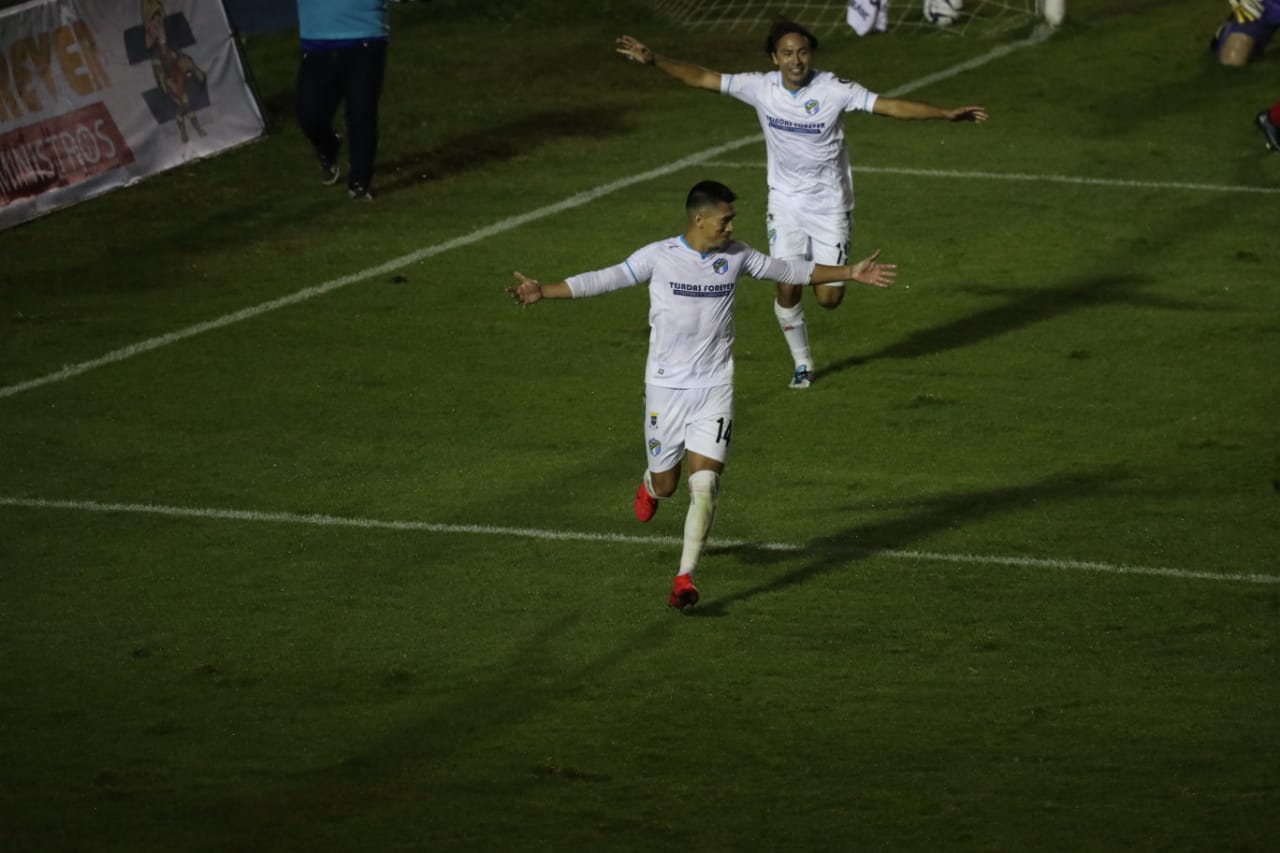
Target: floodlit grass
(218, 643)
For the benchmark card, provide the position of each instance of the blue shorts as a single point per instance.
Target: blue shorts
(1260, 30)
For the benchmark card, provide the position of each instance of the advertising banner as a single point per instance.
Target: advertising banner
(97, 95)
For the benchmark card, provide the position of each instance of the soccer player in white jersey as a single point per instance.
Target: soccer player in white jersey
(692, 280)
(801, 110)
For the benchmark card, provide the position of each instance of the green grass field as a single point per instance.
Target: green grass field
(360, 572)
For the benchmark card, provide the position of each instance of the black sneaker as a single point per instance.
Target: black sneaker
(1269, 131)
(329, 171)
(359, 192)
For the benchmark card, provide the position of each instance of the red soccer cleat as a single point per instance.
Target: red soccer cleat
(646, 504)
(683, 592)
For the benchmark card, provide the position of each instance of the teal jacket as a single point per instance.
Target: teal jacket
(343, 20)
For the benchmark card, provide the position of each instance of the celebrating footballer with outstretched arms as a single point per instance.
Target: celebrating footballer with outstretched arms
(698, 77)
(801, 110)
(866, 271)
(692, 281)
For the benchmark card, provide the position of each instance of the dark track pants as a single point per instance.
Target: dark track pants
(351, 75)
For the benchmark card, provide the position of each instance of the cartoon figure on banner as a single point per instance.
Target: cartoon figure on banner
(173, 69)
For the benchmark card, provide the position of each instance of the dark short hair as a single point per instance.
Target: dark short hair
(782, 28)
(707, 193)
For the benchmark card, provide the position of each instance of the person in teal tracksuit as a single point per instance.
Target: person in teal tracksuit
(344, 60)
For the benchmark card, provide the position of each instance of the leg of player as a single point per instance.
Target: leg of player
(1268, 122)
(824, 238)
(790, 313)
(829, 295)
(665, 415)
(653, 488)
(788, 241)
(708, 431)
(1236, 49)
(1236, 42)
(834, 254)
(704, 492)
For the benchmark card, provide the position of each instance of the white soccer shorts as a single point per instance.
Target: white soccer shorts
(699, 420)
(821, 237)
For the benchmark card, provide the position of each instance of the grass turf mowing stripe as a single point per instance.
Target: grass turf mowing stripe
(698, 158)
(320, 520)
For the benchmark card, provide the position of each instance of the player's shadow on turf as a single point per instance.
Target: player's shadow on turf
(1021, 309)
(854, 544)
(495, 144)
(473, 712)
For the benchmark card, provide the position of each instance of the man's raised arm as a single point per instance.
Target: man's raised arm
(527, 291)
(902, 108)
(686, 72)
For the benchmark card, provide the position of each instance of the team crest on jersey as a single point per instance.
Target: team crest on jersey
(655, 447)
(720, 265)
(653, 419)
(811, 106)
(773, 236)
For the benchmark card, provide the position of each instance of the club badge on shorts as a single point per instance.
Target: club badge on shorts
(655, 447)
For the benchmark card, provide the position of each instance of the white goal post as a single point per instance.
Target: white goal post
(829, 15)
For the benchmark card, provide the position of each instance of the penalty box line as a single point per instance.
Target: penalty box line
(699, 158)
(333, 521)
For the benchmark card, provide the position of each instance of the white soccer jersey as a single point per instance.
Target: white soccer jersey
(804, 135)
(690, 304)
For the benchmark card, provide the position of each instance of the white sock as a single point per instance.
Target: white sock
(704, 489)
(648, 486)
(791, 321)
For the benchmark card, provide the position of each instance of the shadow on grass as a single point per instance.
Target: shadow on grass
(857, 543)
(475, 715)
(168, 242)
(427, 760)
(485, 147)
(1021, 309)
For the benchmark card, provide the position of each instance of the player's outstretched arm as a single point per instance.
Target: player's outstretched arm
(686, 72)
(866, 271)
(904, 109)
(973, 113)
(527, 291)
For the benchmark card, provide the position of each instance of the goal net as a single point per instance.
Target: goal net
(829, 15)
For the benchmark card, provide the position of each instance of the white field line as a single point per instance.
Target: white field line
(308, 293)
(1015, 176)
(72, 370)
(623, 539)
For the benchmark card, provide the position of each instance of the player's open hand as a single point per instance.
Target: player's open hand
(974, 114)
(869, 271)
(525, 291)
(633, 50)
